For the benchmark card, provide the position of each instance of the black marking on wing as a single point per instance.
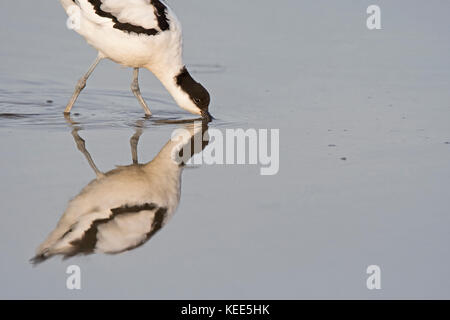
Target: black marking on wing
(134, 209)
(160, 12)
(88, 242)
(157, 224)
(66, 233)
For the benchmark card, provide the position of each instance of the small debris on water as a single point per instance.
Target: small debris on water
(344, 158)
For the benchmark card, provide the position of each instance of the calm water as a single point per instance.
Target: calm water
(379, 99)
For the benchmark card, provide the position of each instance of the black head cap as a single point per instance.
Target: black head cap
(198, 94)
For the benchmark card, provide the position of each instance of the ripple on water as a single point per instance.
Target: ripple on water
(99, 109)
(206, 68)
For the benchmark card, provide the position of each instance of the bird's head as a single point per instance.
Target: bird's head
(194, 97)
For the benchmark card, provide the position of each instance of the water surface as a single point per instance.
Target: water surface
(364, 152)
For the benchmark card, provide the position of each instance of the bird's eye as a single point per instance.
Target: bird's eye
(197, 100)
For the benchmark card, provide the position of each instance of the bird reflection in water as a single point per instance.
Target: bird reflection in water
(122, 209)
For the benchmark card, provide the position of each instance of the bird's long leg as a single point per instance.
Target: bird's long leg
(134, 142)
(81, 145)
(81, 84)
(137, 91)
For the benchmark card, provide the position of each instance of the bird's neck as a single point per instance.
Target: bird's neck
(165, 158)
(167, 74)
(179, 149)
(164, 163)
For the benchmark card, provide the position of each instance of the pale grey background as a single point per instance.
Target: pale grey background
(311, 69)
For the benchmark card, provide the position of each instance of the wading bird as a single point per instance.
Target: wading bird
(122, 209)
(138, 34)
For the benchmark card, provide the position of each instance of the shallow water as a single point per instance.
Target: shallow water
(364, 153)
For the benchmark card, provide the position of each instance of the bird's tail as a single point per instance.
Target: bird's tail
(47, 254)
(45, 251)
(65, 238)
(39, 258)
(48, 250)
(54, 244)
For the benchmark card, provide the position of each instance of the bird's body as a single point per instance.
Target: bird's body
(125, 202)
(138, 34)
(157, 46)
(121, 209)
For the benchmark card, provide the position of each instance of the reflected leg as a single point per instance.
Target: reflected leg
(134, 142)
(81, 145)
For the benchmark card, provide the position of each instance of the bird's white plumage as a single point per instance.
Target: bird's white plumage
(159, 52)
(137, 12)
(125, 232)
